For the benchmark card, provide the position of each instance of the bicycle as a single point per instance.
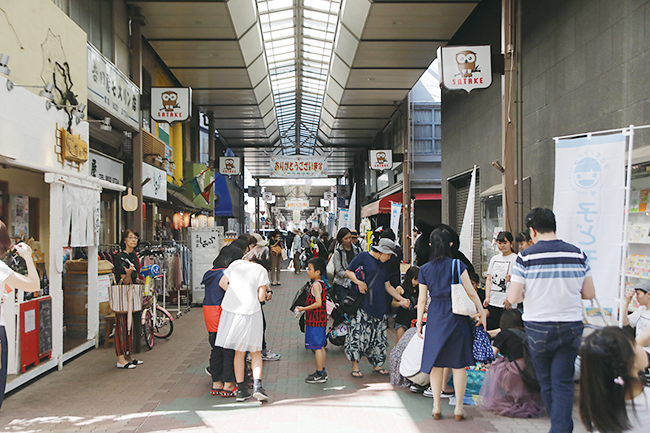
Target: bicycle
(156, 321)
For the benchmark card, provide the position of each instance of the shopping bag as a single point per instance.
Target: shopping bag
(126, 299)
(284, 255)
(461, 304)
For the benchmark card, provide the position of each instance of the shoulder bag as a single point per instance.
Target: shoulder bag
(461, 304)
(351, 303)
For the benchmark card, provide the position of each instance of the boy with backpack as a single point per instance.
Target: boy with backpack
(316, 318)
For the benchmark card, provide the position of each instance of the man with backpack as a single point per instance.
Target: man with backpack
(552, 277)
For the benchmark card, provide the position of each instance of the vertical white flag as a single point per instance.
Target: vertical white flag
(395, 213)
(467, 229)
(352, 223)
(589, 205)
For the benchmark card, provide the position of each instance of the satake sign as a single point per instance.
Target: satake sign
(466, 68)
(229, 165)
(171, 104)
(381, 159)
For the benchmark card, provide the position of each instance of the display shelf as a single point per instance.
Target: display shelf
(638, 276)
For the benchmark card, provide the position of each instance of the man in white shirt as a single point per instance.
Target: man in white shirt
(552, 277)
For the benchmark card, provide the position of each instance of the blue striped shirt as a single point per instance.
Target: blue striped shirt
(552, 273)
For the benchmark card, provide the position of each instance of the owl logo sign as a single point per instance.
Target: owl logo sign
(171, 104)
(229, 165)
(381, 159)
(466, 68)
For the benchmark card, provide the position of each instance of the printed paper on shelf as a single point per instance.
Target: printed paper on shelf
(589, 204)
(298, 167)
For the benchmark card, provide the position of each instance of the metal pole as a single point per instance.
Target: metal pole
(257, 207)
(626, 217)
(406, 195)
(137, 221)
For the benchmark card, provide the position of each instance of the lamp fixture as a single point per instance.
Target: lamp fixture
(79, 111)
(105, 123)
(4, 62)
(498, 166)
(46, 93)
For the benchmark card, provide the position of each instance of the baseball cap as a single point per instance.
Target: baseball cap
(644, 286)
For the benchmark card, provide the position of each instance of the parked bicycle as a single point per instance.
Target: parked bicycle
(156, 321)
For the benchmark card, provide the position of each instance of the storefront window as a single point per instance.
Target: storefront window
(492, 225)
(108, 219)
(638, 233)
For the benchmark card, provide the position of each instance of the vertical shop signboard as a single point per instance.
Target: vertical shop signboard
(589, 204)
(206, 244)
(344, 218)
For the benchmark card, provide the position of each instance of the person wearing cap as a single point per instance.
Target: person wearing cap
(640, 319)
(367, 332)
(356, 240)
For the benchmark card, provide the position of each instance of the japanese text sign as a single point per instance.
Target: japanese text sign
(589, 204)
(298, 167)
(112, 90)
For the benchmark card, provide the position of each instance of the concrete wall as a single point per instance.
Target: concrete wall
(583, 69)
(26, 25)
(471, 123)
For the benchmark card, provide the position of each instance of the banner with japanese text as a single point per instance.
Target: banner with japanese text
(298, 167)
(395, 213)
(589, 205)
(344, 218)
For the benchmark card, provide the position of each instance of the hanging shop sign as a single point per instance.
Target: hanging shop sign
(466, 67)
(324, 203)
(328, 195)
(229, 165)
(267, 196)
(589, 204)
(171, 104)
(343, 191)
(298, 167)
(344, 218)
(73, 147)
(111, 90)
(297, 204)
(381, 159)
(254, 191)
(154, 182)
(106, 168)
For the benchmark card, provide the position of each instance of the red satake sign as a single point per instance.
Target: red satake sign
(297, 167)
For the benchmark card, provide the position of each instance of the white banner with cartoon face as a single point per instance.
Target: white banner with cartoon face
(589, 205)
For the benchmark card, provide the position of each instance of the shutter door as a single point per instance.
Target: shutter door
(462, 193)
(461, 202)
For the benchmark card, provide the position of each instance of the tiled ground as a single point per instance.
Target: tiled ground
(170, 392)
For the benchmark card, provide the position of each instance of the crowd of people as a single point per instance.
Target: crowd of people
(536, 351)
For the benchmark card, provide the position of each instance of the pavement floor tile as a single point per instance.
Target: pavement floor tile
(170, 392)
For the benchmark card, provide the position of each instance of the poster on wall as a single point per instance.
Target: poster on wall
(19, 216)
(589, 205)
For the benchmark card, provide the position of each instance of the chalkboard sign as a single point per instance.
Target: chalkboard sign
(45, 325)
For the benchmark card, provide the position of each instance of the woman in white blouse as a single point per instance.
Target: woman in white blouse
(12, 280)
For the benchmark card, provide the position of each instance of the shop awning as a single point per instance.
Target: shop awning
(493, 190)
(181, 201)
(381, 206)
(222, 198)
(425, 196)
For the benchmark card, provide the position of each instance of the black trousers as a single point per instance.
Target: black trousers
(222, 362)
(3, 368)
(264, 330)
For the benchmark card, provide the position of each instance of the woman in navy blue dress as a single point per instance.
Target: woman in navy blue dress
(449, 338)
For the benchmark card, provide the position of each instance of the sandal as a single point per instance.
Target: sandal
(380, 371)
(215, 391)
(356, 373)
(127, 366)
(460, 417)
(228, 392)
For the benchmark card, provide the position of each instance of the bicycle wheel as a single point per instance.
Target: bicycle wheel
(164, 325)
(148, 329)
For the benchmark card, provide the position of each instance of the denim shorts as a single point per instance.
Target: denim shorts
(315, 337)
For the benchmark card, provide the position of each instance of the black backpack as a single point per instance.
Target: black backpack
(528, 375)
